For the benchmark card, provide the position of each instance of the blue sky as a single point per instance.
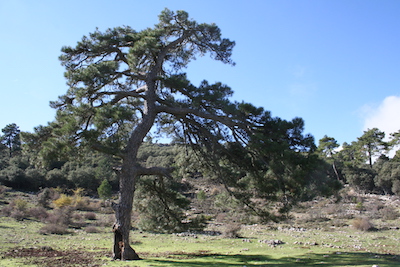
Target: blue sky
(334, 63)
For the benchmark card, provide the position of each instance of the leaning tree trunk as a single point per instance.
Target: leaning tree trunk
(129, 173)
(121, 228)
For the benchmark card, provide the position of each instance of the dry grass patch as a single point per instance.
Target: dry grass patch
(57, 229)
(363, 224)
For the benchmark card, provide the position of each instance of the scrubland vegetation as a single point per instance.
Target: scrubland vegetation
(56, 218)
(349, 229)
(234, 186)
(67, 224)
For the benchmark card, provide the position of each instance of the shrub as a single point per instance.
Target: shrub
(198, 223)
(63, 201)
(359, 206)
(77, 216)
(36, 178)
(81, 203)
(78, 192)
(84, 178)
(362, 224)
(215, 191)
(3, 189)
(45, 196)
(396, 187)
(16, 209)
(94, 205)
(18, 215)
(20, 204)
(92, 229)
(232, 230)
(389, 213)
(90, 216)
(56, 177)
(201, 195)
(60, 216)
(52, 228)
(104, 190)
(39, 213)
(6, 211)
(105, 221)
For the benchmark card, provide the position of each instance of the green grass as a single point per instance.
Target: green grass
(331, 247)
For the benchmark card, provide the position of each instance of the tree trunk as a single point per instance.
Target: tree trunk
(335, 170)
(130, 172)
(121, 228)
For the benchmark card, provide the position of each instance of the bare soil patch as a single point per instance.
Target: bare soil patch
(49, 257)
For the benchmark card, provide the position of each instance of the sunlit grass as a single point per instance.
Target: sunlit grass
(322, 247)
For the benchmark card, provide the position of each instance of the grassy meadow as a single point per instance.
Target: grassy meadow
(315, 237)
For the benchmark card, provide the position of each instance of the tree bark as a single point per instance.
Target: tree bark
(130, 171)
(123, 211)
(335, 170)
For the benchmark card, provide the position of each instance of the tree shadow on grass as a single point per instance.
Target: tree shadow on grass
(310, 259)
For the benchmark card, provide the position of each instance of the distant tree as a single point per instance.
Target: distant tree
(83, 177)
(388, 175)
(394, 141)
(349, 154)
(56, 177)
(14, 174)
(371, 144)
(45, 147)
(11, 138)
(361, 177)
(326, 148)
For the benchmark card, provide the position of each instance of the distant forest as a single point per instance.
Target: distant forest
(27, 164)
(363, 164)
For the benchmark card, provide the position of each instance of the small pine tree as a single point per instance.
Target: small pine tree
(104, 190)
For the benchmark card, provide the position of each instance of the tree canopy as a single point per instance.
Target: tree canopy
(11, 138)
(123, 84)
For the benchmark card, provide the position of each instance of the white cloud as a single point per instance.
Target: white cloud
(385, 116)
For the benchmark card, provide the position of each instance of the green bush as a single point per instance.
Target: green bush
(84, 178)
(201, 195)
(20, 204)
(105, 190)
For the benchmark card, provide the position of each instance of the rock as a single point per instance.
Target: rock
(272, 242)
